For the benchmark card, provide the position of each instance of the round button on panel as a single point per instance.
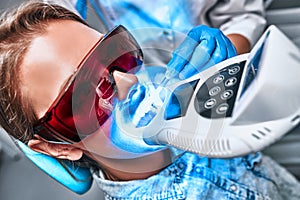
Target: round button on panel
(231, 82)
(214, 91)
(234, 70)
(210, 103)
(227, 94)
(222, 108)
(218, 79)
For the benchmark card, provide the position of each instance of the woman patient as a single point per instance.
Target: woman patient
(60, 80)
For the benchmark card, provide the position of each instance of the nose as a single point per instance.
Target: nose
(124, 82)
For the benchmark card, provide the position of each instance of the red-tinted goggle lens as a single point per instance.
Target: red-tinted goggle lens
(88, 98)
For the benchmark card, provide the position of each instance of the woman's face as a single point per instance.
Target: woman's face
(50, 60)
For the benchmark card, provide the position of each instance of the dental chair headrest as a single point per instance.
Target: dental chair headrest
(79, 182)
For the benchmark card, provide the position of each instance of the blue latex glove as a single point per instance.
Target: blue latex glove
(202, 48)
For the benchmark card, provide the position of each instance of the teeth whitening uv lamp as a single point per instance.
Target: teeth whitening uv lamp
(239, 106)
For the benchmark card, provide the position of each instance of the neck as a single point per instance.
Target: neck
(133, 169)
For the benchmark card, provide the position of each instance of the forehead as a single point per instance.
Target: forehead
(52, 58)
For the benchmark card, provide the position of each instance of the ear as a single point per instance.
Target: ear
(61, 151)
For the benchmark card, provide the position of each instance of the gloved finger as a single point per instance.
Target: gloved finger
(220, 53)
(207, 65)
(231, 51)
(201, 55)
(182, 54)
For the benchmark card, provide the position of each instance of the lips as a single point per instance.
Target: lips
(135, 97)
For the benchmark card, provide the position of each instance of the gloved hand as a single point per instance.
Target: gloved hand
(202, 48)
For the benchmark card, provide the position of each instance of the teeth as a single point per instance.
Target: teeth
(144, 121)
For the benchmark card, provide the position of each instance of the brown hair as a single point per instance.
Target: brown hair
(17, 29)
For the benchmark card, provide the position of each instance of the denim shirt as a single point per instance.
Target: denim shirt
(193, 177)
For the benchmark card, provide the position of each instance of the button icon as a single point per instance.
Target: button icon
(226, 94)
(234, 70)
(231, 82)
(214, 91)
(218, 79)
(222, 109)
(210, 103)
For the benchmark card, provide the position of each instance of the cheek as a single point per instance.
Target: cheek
(99, 142)
(107, 127)
(102, 135)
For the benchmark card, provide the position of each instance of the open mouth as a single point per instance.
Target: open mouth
(142, 104)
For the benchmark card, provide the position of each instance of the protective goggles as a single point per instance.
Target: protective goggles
(87, 99)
